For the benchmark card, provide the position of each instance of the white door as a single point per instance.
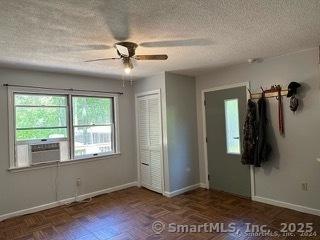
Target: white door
(149, 133)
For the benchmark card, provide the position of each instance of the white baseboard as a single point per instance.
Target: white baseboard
(287, 205)
(204, 185)
(182, 190)
(65, 201)
(167, 194)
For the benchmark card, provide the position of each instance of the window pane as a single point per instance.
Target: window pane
(37, 134)
(35, 117)
(232, 126)
(40, 100)
(92, 140)
(92, 110)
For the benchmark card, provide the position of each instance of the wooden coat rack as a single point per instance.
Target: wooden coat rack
(274, 92)
(270, 93)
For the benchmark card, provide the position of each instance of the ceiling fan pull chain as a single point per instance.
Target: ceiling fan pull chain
(123, 85)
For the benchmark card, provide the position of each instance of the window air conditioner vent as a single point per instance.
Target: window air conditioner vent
(45, 152)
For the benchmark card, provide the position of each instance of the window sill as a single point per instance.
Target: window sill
(58, 163)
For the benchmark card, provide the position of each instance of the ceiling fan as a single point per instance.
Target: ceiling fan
(127, 52)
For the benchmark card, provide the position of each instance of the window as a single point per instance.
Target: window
(68, 126)
(232, 126)
(40, 117)
(93, 126)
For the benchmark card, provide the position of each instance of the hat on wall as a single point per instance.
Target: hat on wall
(294, 103)
(292, 88)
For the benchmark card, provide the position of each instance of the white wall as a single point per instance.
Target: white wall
(150, 84)
(157, 82)
(181, 167)
(182, 131)
(293, 160)
(21, 190)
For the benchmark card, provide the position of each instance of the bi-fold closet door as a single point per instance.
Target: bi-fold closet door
(149, 136)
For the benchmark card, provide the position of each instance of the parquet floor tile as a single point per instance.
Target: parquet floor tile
(130, 214)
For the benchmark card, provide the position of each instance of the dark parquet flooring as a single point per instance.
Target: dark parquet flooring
(130, 214)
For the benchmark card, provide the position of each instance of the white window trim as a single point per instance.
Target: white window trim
(69, 94)
(227, 128)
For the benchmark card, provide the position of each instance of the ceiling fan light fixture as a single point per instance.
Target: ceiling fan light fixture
(127, 70)
(128, 66)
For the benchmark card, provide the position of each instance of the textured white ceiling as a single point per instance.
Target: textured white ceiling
(61, 34)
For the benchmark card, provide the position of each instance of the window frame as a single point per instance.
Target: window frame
(226, 127)
(73, 126)
(69, 94)
(56, 127)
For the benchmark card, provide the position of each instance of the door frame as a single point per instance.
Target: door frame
(143, 94)
(204, 129)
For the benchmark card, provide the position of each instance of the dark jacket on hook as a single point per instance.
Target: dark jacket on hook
(263, 148)
(250, 134)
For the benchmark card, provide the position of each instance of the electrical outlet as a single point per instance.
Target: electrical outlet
(304, 186)
(78, 182)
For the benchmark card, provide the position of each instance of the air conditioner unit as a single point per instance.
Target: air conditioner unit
(45, 152)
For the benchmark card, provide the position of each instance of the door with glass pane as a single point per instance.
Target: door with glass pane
(148, 112)
(225, 114)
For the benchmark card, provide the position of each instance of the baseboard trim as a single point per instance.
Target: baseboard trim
(204, 185)
(182, 190)
(295, 207)
(66, 201)
(167, 194)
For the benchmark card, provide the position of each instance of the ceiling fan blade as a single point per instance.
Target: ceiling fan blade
(178, 43)
(116, 16)
(124, 51)
(101, 59)
(151, 57)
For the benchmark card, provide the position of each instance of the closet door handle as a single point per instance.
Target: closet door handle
(145, 164)
(236, 138)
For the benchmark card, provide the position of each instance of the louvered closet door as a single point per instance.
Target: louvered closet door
(143, 132)
(150, 141)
